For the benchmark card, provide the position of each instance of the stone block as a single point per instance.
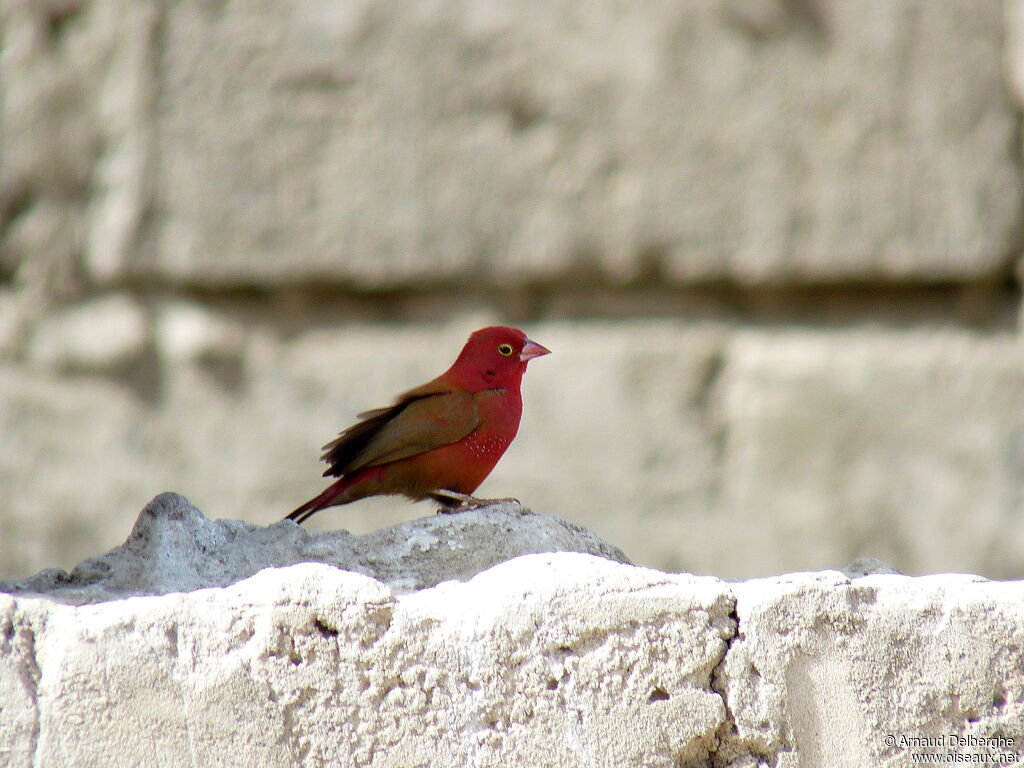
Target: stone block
(906, 446)
(365, 145)
(872, 671)
(342, 669)
(369, 147)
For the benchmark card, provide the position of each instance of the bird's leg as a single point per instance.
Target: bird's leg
(453, 501)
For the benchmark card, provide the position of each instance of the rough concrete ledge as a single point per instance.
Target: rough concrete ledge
(543, 659)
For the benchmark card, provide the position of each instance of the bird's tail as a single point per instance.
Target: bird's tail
(325, 499)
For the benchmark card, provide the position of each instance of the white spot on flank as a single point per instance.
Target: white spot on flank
(486, 447)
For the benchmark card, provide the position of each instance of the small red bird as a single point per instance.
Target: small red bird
(440, 440)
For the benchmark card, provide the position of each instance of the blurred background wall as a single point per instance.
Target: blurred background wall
(774, 247)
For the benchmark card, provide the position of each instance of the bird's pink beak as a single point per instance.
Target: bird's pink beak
(532, 349)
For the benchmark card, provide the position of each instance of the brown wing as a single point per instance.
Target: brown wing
(421, 420)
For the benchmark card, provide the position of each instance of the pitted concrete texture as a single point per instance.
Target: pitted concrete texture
(558, 659)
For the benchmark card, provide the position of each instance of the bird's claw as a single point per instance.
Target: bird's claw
(453, 502)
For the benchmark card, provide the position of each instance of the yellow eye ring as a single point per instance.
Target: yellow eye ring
(505, 350)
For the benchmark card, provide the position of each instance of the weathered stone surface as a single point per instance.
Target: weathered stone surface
(174, 548)
(332, 668)
(345, 671)
(824, 669)
(313, 664)
(906, 446)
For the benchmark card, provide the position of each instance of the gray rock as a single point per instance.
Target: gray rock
(174, 548)
(868, 566)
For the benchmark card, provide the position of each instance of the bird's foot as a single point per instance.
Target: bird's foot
(452, 502)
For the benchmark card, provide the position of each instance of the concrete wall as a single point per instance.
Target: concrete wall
(774, 248)
(435, 644)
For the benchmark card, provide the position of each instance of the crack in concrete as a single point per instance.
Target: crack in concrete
(32, 675)
(730, 748)
(722, 753)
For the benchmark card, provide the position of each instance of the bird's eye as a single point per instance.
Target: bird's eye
(505, 350)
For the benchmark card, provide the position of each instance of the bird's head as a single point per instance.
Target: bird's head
(494, 358)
